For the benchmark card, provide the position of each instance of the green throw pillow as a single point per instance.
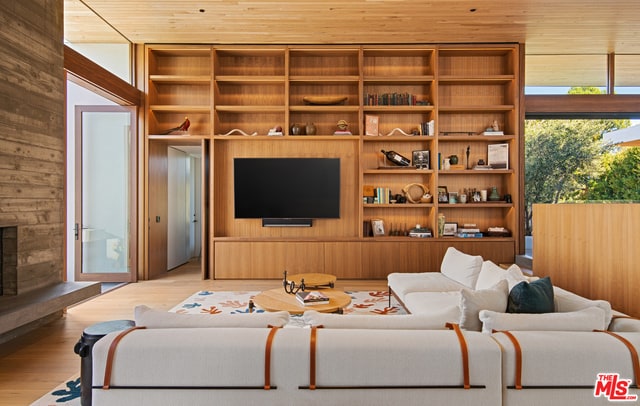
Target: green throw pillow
(532, 297)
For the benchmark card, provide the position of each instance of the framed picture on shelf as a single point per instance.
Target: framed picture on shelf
(421, 159)
(371, 125)
(450, 229)
(377, 225)
(443, 195)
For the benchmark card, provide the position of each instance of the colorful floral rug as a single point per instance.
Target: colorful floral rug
(214, 302)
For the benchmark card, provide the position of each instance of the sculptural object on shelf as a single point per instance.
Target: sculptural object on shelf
(184, 126)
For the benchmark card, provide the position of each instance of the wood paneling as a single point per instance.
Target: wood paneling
(548, 27)
(590, 249)
(158, 209)
(32, 138)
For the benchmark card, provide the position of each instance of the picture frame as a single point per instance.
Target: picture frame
(450, 229)
(421, 159)
(377, 225)
(371, 125)
(443, 194)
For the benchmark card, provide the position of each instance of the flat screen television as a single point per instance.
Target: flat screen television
(286, 191)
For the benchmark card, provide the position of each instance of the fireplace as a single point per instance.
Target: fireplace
(8, 261)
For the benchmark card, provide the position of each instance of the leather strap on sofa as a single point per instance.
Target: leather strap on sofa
(635, 360)
(312, 357)
(112, 351)
(518, 351)
(267, 357)
(465, 352)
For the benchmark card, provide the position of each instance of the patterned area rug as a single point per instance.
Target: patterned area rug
(212, 303)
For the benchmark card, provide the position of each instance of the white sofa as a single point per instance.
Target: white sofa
(226, 366)
(551, 358)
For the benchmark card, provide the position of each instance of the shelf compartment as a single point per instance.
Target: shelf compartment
(475, 120)
(325, 119)
(407, 119)
(186, 62)
(249, 119)
(319, 62)
(181, 79)
(248, 62)
(178, 94)
(399, 171)
(253, 94)
(398, 62)
(374, 93)
(474, 95)
(399, 138)
(297, 92)
(481, 61)
(160, 120)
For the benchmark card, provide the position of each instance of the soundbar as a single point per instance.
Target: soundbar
(286, 222)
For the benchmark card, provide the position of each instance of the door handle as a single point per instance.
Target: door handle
(76, 232)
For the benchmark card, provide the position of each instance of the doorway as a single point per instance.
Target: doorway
(176, 195)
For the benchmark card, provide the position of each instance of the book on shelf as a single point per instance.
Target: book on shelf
(493, 133)
(469, 230)
(312, 297)
(340, 132)
(469, 235)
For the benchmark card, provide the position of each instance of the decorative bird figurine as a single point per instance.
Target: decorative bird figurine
(182, 127)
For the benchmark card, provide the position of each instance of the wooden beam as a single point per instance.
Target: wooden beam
(582, 106)
(83, 70)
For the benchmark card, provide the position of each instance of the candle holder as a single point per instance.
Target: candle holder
(290, 286)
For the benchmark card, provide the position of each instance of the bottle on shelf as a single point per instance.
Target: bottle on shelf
(396, 158)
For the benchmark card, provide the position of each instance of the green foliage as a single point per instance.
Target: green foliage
(620, 179)
(566, 160)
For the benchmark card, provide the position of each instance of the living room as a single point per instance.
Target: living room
(39, 214)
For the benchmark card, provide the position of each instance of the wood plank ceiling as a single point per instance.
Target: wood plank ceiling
(546, 26)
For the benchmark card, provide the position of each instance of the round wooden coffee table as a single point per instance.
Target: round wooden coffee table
(277, 300)
(313, 280)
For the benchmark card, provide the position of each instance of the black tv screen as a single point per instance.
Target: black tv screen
(286, 188)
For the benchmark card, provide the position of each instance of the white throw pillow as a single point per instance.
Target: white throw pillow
(566, 301)
(435, 320)
(473, 301)
(462, 268)
(588, 319)
(153, 318)
(489, 275)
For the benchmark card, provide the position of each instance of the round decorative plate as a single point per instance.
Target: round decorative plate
(324, 99)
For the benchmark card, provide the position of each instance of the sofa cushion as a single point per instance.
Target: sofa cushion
(473, 301)
(153, 318)
(462, 268)
(534, 297)
(403, 283)
(432, 321)
(589, 319)
(566, 301)
(428, 302)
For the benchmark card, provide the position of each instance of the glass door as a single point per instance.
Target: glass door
(105, 231)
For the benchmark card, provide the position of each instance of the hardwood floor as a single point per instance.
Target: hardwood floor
(35, 363)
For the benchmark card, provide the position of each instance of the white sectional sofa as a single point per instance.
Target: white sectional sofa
(458, 346)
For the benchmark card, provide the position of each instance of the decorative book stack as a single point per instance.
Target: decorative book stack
(312, 297)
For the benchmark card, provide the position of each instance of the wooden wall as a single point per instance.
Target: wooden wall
(32, 138)
(590, 249)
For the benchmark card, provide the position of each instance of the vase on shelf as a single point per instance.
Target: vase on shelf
(494, 196)
(441, 221)
(310, 129)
